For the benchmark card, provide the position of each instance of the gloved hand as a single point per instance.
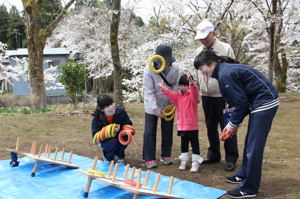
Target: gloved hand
(228, 132)
(117, 128)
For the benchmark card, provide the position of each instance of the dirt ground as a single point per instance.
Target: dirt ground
(280, 178)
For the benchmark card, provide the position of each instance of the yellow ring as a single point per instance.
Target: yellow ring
(99, 173)
(163, 66)
(169, 118)
(169, 110)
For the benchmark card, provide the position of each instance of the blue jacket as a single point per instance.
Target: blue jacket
(246, 89)
(120, 117)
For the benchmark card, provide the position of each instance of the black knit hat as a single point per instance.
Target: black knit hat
(165, 51)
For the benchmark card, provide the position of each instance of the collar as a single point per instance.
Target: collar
(216, 72)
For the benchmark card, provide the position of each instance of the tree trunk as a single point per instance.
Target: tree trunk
(114, 29)
(36, 39)
(35, 54)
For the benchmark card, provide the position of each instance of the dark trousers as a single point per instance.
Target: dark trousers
(213, 111)
(149, 144)
(112, 147)
(258, 130)
(190, 137)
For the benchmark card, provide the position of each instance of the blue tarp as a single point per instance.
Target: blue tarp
(58, 182)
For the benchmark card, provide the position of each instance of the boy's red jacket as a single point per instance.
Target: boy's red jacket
(186, 107)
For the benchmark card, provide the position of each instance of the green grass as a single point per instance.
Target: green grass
(280, 177)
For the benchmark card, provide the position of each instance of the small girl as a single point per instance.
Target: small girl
(107, 113)
(185, 101)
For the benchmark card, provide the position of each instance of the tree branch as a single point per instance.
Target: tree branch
(49, 29)
(224, 13)
(269, 8)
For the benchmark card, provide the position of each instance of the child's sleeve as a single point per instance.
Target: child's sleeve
(172, 96)
(194, 91)
(126, 119)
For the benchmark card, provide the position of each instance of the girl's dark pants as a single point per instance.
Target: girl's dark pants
(112, 147)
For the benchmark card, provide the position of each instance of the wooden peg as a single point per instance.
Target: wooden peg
(171, 185)
(138, 184)
(115, 172)
(46, 150)
(18, 144)
(126, 171)
(62, 154)
(70, 157)
(147, 177)
(95, 162)
(34, 168)
(40, 151)
(132, 173)
(110, 168)
(49, 150)
(33, 147)
(135, 196)
(156, 183)
(55, 155)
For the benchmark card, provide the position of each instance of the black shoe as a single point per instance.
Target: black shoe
(234, 179)
(236, 193)
(210, 161)
(229, 166)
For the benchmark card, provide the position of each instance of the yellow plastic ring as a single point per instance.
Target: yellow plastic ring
(163, 66)
(169, 110)
(169, 118)
(99, 173)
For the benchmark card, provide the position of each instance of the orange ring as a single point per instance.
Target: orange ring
(129, 137)
(131, 183)
(129, 127)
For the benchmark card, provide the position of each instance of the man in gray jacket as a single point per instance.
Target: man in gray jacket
(212, 102)
(154, 102)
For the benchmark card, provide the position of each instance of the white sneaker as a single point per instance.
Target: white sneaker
(183, 165)
(195, 166)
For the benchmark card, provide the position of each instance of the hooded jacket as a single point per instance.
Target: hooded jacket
(186, 107)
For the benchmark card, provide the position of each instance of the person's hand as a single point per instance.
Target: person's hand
(228, 132)
(117, 128)
(161, 85)
(190, 78)
(158, 113)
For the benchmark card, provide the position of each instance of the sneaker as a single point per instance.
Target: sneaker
(118, 160)
(195, 166)
(151, 164)
(166, 160)
(234, 179)
(105, 160)
(183, 165)
(236, 193)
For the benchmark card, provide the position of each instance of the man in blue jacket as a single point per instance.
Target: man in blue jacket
(251, 93)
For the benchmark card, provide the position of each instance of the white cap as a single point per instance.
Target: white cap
(203, 29)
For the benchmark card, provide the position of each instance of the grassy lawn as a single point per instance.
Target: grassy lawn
(280, 178)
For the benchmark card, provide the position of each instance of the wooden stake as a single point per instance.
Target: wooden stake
(18, 144)
(138, 184)
(126, 171)
(87, 187)
(132, 173)
(156, 183)
(171, 185)
(147, 177)
(70, 157)
(135, 196)
(62, 154)
(55, 155)
(95, 162)
(110, 168)
(40, 151)
(115, 172)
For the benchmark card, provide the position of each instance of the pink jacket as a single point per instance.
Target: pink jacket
(186, 107)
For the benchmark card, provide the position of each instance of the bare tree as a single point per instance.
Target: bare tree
(36, 40)
(114, 29)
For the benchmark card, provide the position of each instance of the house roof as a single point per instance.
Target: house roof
(47, 51)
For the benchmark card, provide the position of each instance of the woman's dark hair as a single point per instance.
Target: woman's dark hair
(208, 56)
(183, 80)
(102, 102)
